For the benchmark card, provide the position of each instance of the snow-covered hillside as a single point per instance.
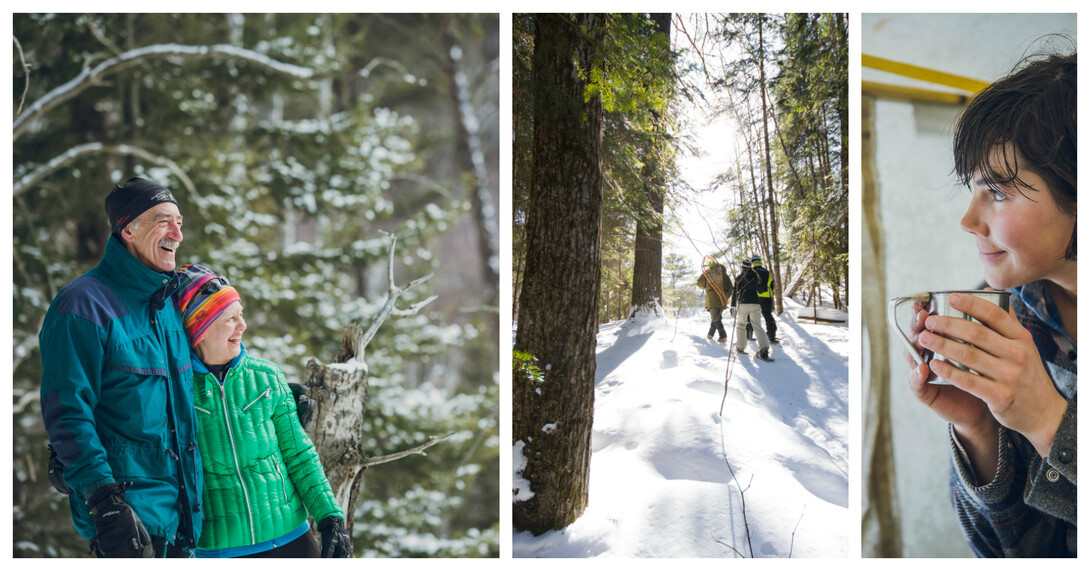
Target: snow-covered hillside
(660, 485)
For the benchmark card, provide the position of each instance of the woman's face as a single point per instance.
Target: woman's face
(223, 340)
(1020, 233)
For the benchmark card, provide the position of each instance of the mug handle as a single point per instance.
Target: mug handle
(891, 316)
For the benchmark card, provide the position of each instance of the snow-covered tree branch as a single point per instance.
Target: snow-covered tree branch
(95, 75)
(65, 159)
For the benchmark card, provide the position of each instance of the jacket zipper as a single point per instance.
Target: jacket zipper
(238, 470)
(185, 522)
(261, 396)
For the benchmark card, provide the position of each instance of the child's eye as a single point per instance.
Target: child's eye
(998, 195)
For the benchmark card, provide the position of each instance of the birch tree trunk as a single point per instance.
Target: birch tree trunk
(471, 156)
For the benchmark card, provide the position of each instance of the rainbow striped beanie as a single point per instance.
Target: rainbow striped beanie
(201, 297)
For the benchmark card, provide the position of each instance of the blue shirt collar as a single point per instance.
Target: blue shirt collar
(199, 367)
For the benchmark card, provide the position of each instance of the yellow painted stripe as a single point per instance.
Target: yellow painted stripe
(888, 91)
(922, 73)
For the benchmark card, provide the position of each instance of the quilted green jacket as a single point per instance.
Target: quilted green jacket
(261, 472)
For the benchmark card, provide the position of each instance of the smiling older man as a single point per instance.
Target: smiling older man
(116, 380)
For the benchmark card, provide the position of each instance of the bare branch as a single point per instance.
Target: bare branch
(418, 449)
(727, 545)
(32, 179)
(414, 308)
(792, 549)
(390, 307)
(93, 76)
(742, 492)
(99, 35)
(26, 72)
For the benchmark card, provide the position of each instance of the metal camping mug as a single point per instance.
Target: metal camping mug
(940, 305)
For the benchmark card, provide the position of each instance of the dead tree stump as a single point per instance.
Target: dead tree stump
(340, 390)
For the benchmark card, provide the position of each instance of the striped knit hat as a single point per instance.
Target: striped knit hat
(201, 297)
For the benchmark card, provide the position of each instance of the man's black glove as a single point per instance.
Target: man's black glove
(56, 473)
(335, 540)
(304, 405)
(118, 530)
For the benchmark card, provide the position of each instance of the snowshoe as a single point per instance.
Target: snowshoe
(775, 340)
(763, 355)
(741, 351)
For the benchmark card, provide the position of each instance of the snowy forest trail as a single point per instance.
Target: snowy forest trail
(659, 481)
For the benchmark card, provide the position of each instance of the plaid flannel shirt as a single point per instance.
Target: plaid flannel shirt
(1029, 509)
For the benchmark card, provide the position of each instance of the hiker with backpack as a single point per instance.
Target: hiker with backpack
(717, 292)
(746, 308)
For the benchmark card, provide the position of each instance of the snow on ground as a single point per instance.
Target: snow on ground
(659, 479)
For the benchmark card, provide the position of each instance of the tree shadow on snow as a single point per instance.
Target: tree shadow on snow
(611, 357)
(786, 389)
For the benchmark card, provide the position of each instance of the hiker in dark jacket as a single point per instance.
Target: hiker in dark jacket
(717, 292)
(765, 293)
(746, 307)
(115, 392)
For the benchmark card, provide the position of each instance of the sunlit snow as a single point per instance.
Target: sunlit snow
(659, 480)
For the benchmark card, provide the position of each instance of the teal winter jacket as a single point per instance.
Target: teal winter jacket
(116, 395)
(261, 471)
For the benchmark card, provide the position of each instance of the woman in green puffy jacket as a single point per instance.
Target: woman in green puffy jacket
(261, 473)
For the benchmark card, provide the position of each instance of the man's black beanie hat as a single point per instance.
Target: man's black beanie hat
(127, 201)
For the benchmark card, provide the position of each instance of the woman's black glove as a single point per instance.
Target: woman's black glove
(335, 540)
(304, 405)
(119, 531)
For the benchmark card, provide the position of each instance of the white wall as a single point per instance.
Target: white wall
(921, 203)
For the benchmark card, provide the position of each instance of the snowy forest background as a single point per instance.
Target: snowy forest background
(779, 81)
(604, 108)
(294, 143)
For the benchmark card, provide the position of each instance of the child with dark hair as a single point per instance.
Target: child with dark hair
(1013, 417)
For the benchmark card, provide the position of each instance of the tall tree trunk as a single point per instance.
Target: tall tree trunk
(558, 307)
(841, 37)
(759, 218)
(773, 238)
(647, 258)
